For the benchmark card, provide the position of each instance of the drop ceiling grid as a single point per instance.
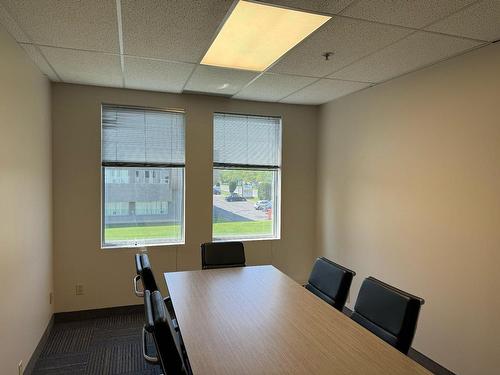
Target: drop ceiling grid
(88, 25)
(323, 90)
(76, 66)
(142, 74)
(479, 21)
(316, 6)
(411, 53)
(456, 10)
(410, 31)
(207, 79)
(273, 87)
(180, 33)
(414, 14)
(348, 39)
(260, 74)
(70, 42)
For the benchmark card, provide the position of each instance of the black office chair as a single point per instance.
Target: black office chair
(148, 329)
(222, 255)
(388, 312)
(145, 274)
(170, 354)
(330, 282)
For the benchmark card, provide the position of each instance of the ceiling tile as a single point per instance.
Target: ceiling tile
(416, 51)
(325, 6)
(90, 24)
(11, 26)
(145, 74)
(39, 60)
(324, 91)
(479, 21)
(91, 68)
(215, 80)
(411, 13)
(179, 30)
(273, 87)
(348, 39)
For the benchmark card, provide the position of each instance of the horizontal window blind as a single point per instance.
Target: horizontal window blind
(133, 136)
(247, 141)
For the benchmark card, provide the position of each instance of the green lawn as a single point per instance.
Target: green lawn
(142, 232)
(245, 228)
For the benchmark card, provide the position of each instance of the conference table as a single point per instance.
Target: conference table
(256, 320)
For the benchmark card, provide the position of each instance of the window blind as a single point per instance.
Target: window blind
(133, 136)
(247, 141)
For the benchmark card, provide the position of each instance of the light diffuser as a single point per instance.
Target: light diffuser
(255, 35)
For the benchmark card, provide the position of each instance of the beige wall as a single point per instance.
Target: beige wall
(26, 205)
(107, 274)
(409, 191)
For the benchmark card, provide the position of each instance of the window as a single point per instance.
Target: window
(246, 177)
(143, 177)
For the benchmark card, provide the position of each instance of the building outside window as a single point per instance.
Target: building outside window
(246, 177)
(143, 166)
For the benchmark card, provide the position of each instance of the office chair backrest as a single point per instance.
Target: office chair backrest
(330, 281)
(388, 312)
(222, 255)
(148, 310)
(143, 268)
(166, 339)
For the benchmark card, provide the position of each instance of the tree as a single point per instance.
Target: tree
(265, 191)
(245, 176)
(232, 186)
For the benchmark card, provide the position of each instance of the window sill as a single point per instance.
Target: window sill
(138, 246)
(245, 239)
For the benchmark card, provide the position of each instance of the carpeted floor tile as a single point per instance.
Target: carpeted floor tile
(99, 346)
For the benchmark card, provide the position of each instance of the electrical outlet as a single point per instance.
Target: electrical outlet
(79, 289)
(51, 298)
(20, 368)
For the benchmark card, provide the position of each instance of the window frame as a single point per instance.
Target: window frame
(252, 167)
(103, 165)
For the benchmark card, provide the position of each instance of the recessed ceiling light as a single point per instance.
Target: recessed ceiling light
(255, 35)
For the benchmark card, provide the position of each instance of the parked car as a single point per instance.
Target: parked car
(217, 190)
(235, 197)
(263, 205)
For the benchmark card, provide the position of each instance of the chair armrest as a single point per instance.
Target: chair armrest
(146, 356)
(137, 292)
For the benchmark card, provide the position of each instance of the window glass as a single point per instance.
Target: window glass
(246, 177)
(143, 174)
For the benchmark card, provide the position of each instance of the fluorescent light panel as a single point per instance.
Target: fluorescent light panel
(256, 35)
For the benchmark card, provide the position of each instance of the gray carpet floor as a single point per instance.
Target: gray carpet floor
(108, 342)
(108, 345)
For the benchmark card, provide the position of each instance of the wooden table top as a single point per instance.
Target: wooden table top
(256, 320)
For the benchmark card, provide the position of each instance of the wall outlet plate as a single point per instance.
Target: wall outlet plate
(79, 289)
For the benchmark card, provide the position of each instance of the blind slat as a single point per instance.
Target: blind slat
(131, 135)
(247, 140)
